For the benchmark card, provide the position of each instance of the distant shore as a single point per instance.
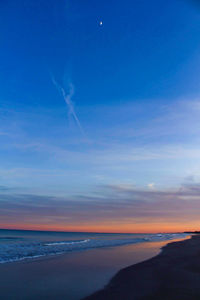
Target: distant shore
(174, 274)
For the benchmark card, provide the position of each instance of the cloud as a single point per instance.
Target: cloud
(68, 100)
(142, 158)
(151, 185)
(113, 204)
(4, 188)
(170, 119)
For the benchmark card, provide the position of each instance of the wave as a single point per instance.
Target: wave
(67, 243)
(12, 252)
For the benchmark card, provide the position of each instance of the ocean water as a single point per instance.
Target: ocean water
(18, 245)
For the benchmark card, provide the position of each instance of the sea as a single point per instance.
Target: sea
(37, 265)
(19, 245)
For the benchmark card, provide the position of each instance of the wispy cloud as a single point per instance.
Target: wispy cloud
(116, 204)
(67, 96)
(166, 158)
(4, 188)
(151, 185)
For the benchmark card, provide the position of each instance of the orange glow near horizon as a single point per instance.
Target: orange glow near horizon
(133, 228)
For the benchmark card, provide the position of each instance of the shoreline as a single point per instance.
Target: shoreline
(173, 274)
(58, 276)
(51, 254)
(73, 276)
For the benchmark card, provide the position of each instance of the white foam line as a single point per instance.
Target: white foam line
(66, 243)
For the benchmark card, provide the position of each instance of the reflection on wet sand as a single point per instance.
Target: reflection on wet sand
(71, 276)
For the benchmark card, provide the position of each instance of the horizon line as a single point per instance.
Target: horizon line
(95, 232)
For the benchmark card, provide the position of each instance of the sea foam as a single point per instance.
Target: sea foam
(26, 249)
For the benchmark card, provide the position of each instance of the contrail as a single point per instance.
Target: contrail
(67, 97)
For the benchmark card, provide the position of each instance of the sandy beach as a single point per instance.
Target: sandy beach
(71, 276)
(174, 274)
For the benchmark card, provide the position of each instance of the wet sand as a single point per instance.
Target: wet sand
(71, 276)
(174, 274)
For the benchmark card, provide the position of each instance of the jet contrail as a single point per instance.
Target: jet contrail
(67, 98)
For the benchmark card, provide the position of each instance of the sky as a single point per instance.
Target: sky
(100, 115)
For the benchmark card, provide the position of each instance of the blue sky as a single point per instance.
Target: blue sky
(84, 107)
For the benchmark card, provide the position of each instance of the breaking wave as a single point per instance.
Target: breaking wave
(12, 251)
(67, 243)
